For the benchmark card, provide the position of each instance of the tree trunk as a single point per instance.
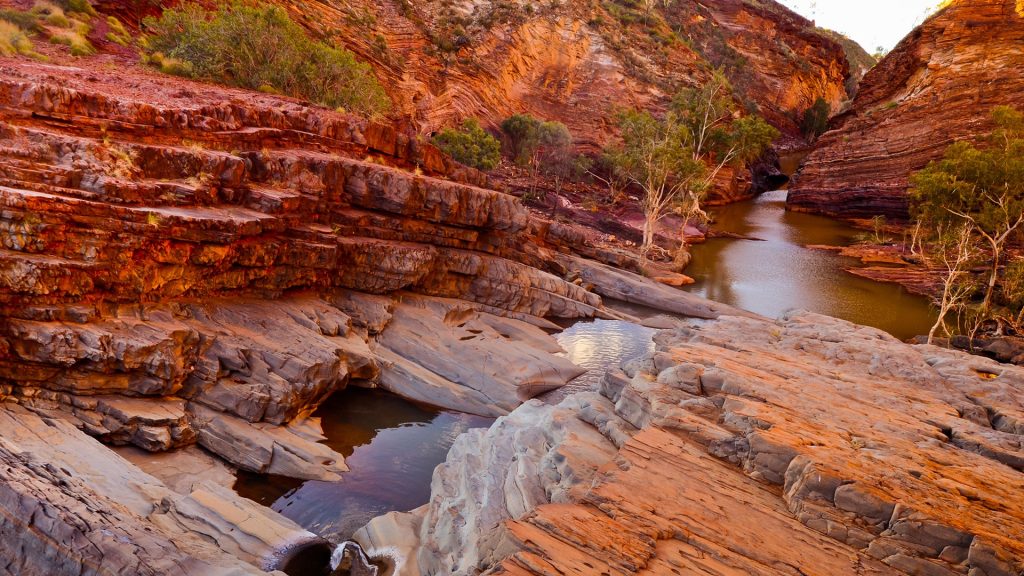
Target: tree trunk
(645, 248)
(682, 259)
(935, 328)
(993, 278)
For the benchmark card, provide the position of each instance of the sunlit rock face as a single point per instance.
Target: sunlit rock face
(577, 62)
(745, 446)
(938, 86)
(187, 264)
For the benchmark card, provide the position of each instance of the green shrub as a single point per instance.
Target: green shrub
(255, 46)
(24, 20)
(815, 120)
(470, 145)
(79, 6)
(523, 131)
(78, 43)
(176, 67)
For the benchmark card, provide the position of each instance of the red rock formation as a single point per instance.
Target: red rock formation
(150, 222)
(938, 86)
(184, 263)
(805, 445)
(577, 62)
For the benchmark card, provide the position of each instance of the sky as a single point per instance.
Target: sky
(872, 23)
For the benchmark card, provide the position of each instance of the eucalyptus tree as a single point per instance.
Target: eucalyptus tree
(675, 159)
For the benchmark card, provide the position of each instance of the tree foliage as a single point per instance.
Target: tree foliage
(675, 159)
(260, 48)
(982, 186)
(546, 147)
(471, 145)
(523, 132)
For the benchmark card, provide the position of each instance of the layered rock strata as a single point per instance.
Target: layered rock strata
(190, 265)
(175, 269)
(575, 62)
(806, 445)
(936, 87)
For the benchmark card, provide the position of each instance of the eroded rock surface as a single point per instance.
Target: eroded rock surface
(181, 264)
(936, 87)
(72, 506)
(806, 445)
(576, 62)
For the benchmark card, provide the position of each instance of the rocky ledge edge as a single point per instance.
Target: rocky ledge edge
(806, 445)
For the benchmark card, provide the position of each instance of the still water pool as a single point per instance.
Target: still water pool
(391, 447)
(779, 273)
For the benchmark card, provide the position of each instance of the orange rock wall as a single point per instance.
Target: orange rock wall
(938, 86)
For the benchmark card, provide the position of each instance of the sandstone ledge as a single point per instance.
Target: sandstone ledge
(807, 445)
(70, 506)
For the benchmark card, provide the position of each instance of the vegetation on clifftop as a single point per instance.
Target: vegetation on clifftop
(261, 48)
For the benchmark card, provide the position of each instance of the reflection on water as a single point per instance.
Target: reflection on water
(391, 446)
(598, 346)
(780, 274)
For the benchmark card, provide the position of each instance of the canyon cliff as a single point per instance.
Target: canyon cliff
(576, 62)
(186, 264)
(938, 86)
(188, 271)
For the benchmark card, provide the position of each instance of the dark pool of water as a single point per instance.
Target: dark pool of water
(780, 273)
(391, 446)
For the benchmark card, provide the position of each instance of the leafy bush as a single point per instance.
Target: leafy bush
(117, 33)
(546, 147)
(257, 46)
(77, 42)
(171, 66)
(523, 132)
(24, 20)
(79, 6)
(51, 14)
(470, 145)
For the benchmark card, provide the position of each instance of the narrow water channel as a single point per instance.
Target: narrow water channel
(779, 273)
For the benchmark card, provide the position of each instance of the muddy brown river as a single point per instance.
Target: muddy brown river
(779, 273)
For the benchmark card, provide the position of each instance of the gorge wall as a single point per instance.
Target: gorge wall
(186, 264)
(577, 62)
(936, 87)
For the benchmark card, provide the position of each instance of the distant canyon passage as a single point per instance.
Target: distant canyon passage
(939, 85)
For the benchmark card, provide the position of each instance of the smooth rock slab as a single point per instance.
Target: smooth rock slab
(449, 354)
(70, 506)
